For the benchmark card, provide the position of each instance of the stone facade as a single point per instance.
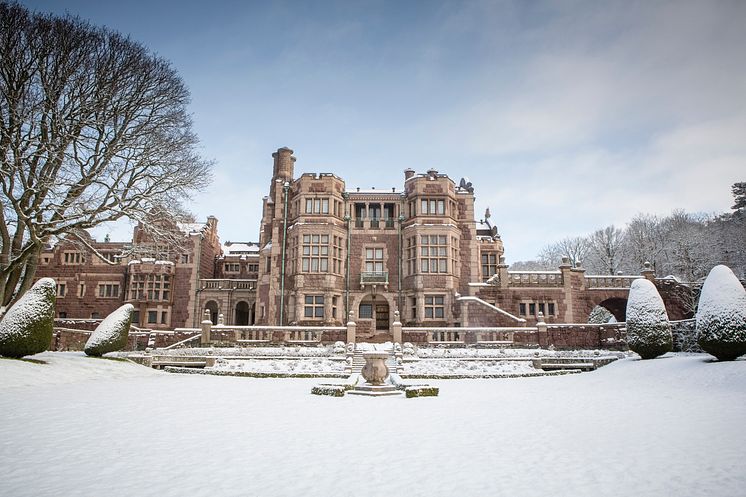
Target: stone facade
(326, 252)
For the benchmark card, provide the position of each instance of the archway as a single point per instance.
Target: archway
(617, 306)
(376, 308)
(241, 315)
(212, 306)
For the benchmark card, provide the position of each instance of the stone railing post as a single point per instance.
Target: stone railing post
(542, 334)
(221, 319)
(648, 272)
(206, 328)
(396, 328)
(351, 327)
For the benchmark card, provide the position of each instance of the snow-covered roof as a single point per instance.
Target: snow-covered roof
(189, 228)
(240, 248)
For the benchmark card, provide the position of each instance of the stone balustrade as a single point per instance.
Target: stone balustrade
(609, 281)
(535, 278)
(227, 284)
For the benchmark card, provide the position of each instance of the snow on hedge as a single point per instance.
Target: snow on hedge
(648, 329)
(27, 327)
(111, 334)
(721, 315)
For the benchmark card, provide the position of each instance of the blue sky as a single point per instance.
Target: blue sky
(566, 116)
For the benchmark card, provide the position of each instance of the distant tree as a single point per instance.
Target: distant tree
(645, 241)
(531, 266)
(606, 247)
(739, 194)
(574, 248)
(93, 128)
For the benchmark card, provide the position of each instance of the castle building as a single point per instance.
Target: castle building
(326, 252)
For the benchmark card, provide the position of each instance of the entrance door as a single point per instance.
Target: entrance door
(382, 317)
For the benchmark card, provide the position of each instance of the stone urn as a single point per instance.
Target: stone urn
(375, 370)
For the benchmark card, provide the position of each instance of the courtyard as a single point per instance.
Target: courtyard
(78, 426)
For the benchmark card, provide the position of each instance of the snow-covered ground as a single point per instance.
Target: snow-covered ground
(80, 426)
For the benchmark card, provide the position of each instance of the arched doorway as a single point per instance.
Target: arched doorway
(376, 308)
(212, 306)
(241, 315)
(617, 306)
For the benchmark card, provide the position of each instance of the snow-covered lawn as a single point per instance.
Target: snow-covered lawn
(80, 426)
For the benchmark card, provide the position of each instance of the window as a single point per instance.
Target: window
(414, 308)
(45, 259)
(108, 290)
(433, 207)
(434, 306)
(136, 318)
(73, 258)
(152, 317)
(411, 255)
(374, 260)
(95, 315)
(253, 268)
(315, 254)
(433, 254)
(61, 290)
(489, 265)
(62, 315)
(366, 311)
(317, 206)
(335, 301)
(337, 254)
(152, 286)
(111, 257)
(532, 309)
(185, 258)
(164, 317)
(314, 306)
(81, 289)
(232, 267)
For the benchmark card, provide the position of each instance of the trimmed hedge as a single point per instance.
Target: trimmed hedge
(27, 327)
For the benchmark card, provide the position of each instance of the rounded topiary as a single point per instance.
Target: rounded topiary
(648, 329)
(111, 334)
(721, 315)
(27, 327)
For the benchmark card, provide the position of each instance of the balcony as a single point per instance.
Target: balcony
(381, 278)
(227, 284)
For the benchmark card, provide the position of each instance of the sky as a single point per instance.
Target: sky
(566, 116)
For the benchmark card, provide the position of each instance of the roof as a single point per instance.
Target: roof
(240, 248)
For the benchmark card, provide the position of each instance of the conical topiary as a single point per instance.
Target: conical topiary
(27, 327)
(111, 334)
(648, 329)
(721, 315)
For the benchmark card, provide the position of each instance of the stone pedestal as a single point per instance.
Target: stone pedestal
(375, 370)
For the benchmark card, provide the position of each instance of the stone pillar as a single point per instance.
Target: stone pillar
(396, 328)
(351, 328)
(648, 272)
(542, 335)
(206, 328)
(221, 319)
(566, 270)
(502, 270)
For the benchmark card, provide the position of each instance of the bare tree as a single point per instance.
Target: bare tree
(645, 242)
(574, 248)
(93, 128)
(606, 249)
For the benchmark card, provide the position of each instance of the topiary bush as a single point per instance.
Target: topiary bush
(27, 327)
(721, 315)
(111, 334)
(648, 329)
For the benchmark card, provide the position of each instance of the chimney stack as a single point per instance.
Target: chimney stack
(408, 173)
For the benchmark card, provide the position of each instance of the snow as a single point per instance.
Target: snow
(466, 367)
(80, 426)
(283, 366)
